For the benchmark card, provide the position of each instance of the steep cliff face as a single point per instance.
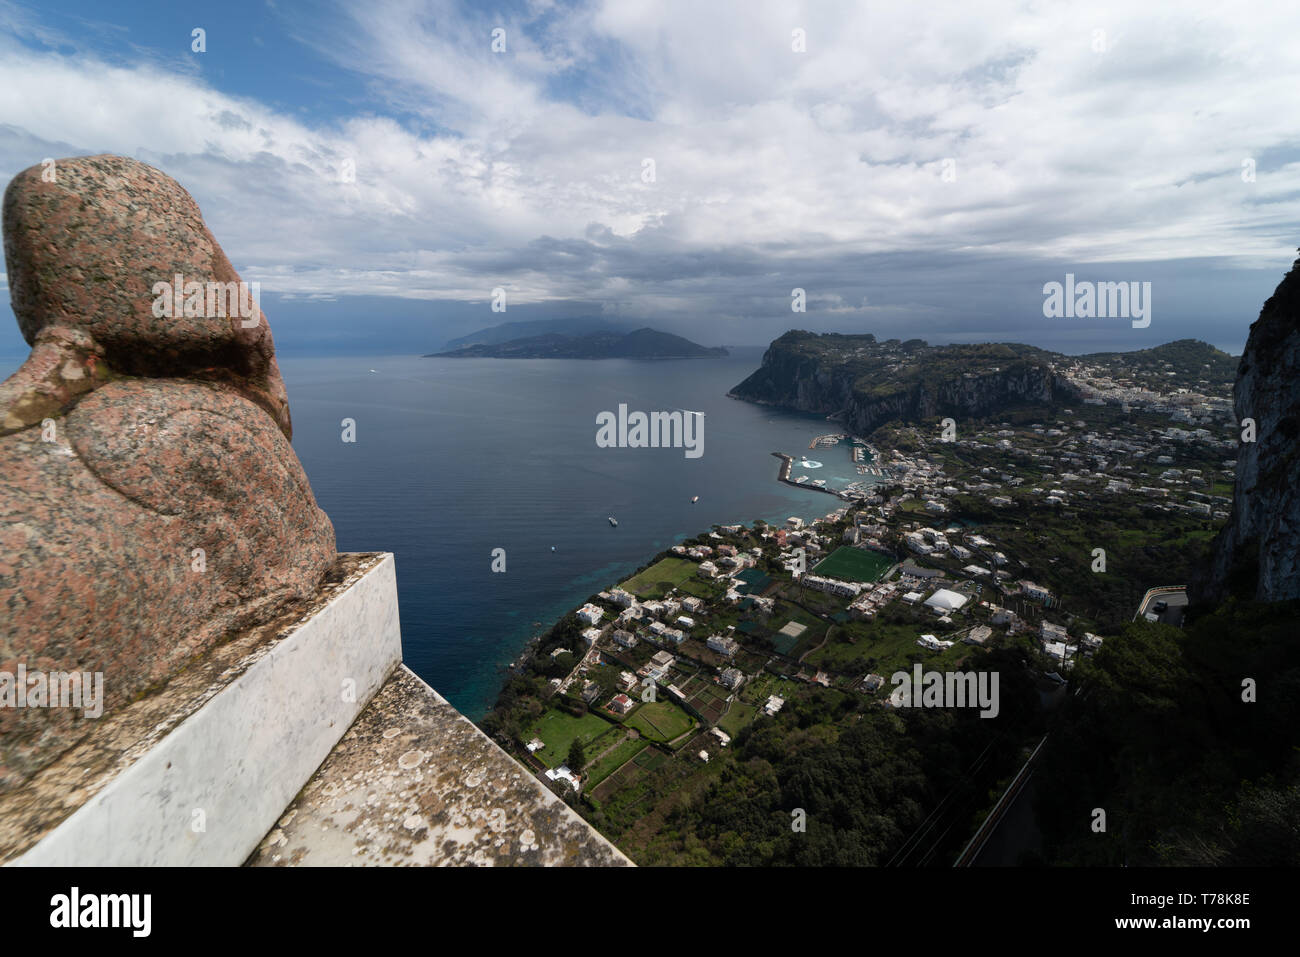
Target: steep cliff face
(869, 383)
(1259, 548)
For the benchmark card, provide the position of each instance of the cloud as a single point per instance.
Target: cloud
(907, 134)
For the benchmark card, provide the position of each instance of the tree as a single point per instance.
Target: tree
(576, 756)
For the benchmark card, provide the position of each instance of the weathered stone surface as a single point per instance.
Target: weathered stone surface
(413, 782)
(1258, 550)
(121, 739)
(84, 253)
(129, 441)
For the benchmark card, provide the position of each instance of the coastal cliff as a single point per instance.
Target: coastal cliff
(1258, 551)
(866, 383)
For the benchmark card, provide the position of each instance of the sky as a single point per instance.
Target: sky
(918, 169)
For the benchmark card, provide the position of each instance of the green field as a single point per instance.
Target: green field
(611, 762)
(652, 759)
(655, 581)
(853, 565)
(660, 721)
(737, 717)
(557, 731)
(881, 648)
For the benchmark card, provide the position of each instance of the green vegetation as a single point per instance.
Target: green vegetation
(656, 580)
(866, 778)
(738, 716)
(1188, 772)
(559, 731)
(577, 758)
(605, 765)
(1186, 361)
(660, 721)
(884, 646)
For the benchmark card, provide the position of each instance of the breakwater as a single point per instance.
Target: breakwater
(783, 475)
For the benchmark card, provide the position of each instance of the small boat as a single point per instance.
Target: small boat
(552, 548)
(613, 521)
(694, 500)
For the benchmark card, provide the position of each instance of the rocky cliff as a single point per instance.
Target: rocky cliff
(1259, 549)
(868, 383)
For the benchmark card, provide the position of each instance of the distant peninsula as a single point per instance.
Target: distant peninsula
(641, 344)
(865, 383)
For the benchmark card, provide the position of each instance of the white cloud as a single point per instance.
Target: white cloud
(1127, 155)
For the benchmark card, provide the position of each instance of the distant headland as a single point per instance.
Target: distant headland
(604, 344)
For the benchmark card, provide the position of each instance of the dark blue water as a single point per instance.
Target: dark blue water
(457, 457)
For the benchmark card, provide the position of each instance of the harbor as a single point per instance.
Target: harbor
(861, 454)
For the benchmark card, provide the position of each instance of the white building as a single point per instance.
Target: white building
(1050, 632)
(831, 586)
(1035, 592)
(723, 646)
(944, 600)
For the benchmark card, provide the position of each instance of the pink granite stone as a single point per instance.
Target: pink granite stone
(127, 442)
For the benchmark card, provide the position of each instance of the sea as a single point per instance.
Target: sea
(456, 458)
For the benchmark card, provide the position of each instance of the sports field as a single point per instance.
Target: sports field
(655, 581)
(853, 565)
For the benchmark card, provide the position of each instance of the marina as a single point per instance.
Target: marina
(860, 454)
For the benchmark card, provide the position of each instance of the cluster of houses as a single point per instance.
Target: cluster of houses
(1077, 462)
(1098, 386)
(869, 602)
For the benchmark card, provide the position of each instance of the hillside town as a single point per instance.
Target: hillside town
(964, 544)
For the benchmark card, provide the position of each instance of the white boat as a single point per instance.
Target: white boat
(613, 521)
(694, 500)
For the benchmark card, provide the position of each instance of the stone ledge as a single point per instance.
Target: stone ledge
(234, 736)
(414, 782)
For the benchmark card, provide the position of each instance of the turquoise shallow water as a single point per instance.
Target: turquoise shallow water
(455, 458)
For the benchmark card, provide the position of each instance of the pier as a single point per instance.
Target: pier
(783, 475)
